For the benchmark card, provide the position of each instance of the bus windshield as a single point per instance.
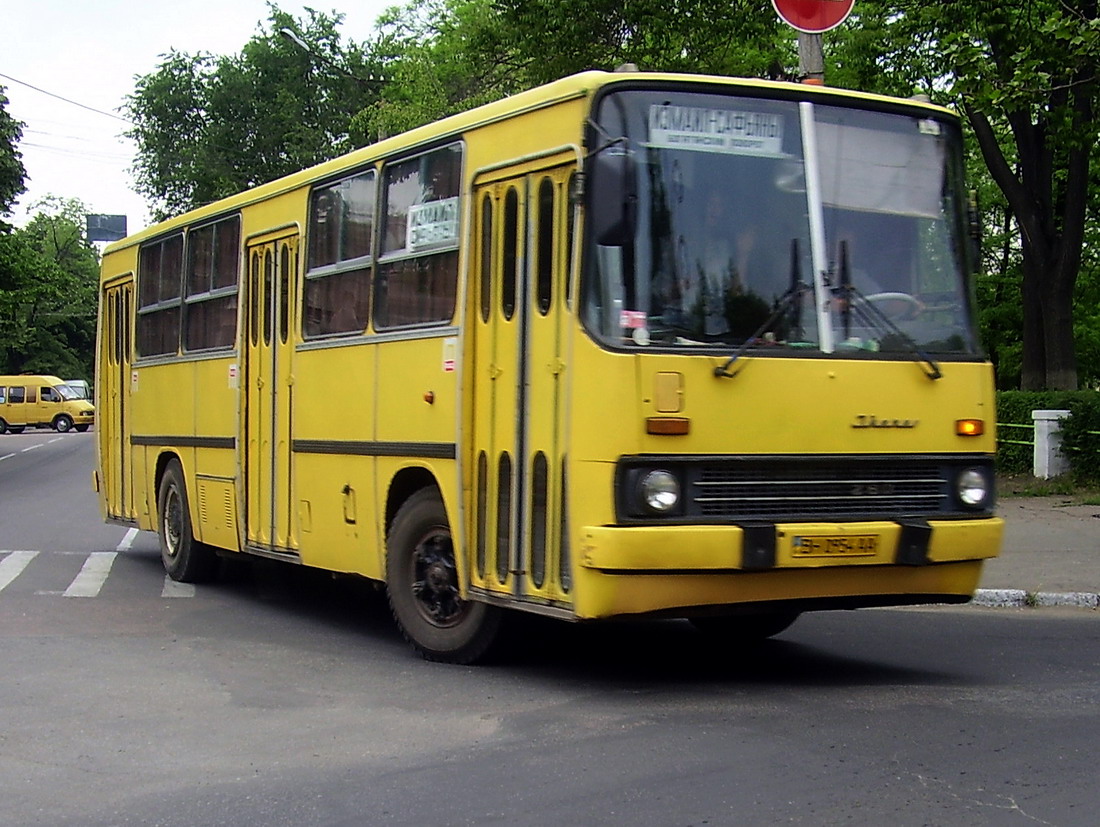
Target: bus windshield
(737, 222)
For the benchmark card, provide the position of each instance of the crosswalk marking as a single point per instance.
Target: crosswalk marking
(92, 574)
(90, 580)
(12, 566)
(127, 540)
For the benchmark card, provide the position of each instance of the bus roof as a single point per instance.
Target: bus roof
(567, 88)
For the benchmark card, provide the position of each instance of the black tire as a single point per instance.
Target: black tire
(83, 428)
(423, 588)
(745, 628)
(185, 559)
(3, 427)
(63, 423)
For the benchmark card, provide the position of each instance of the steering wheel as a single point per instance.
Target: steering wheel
(901, 306)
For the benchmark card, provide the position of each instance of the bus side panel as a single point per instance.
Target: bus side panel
(333, 427)
(417, 410)
(216, 393)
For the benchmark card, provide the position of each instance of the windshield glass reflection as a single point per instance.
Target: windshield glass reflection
(702, 228)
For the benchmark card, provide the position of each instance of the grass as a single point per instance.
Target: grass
(1083, 492)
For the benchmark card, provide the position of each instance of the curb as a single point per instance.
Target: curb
(1018, 598)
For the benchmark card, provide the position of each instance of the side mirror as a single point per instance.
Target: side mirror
(613, 197)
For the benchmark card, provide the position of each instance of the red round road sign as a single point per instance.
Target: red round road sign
(813, 16)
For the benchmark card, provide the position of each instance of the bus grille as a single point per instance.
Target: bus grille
(829, 489)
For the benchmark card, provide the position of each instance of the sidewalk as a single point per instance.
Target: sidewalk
(1050, 556)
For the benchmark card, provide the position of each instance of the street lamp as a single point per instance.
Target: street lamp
(296, 39)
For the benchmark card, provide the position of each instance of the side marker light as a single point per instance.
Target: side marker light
(969, 427)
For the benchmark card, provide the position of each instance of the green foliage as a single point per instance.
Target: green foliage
(1081, 445)
(207, 127)
(1081, 436)
(12, 173)
(48, 288)
(446, 56)
(1024, 76)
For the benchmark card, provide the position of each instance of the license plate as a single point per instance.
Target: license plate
(847, 545)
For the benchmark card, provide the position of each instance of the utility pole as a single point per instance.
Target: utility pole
(810, 18)
(811, 58)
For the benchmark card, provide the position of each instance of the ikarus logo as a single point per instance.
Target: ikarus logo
(872, 421)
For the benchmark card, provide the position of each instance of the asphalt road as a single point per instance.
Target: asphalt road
(278, 696)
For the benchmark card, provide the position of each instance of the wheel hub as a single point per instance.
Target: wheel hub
(435, 581)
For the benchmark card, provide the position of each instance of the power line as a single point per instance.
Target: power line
(66, 100)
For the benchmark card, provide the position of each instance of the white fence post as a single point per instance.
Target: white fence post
(1047, 459)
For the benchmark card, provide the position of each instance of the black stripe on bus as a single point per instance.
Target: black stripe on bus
(185, 441)
(431, 450)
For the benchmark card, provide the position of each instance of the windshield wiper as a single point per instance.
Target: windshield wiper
(854, 303)
(789, 301)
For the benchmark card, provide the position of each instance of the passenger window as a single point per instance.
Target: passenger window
(160, 268)
(545, 260)
(341, 224)
(213, 262)
(510, 256)
(17, 395)
(32, 395)
(418, 274)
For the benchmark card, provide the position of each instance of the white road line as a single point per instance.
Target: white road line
(174, 589)
(127, 540)
(6, 456)
(12, 566)
(55, 439)
(31, 448)
(92, 575)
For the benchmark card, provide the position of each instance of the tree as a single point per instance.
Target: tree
(208, 126)
(1025, 77)
(12, 172)
(48, 288)
(446, 56)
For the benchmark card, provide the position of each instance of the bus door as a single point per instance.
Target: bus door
(113, 390)
(521, 230)
(268, 378)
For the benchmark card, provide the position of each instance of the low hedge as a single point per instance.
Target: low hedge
(1080, 431)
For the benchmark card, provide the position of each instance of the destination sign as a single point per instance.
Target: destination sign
(716, 130)
(432, 224)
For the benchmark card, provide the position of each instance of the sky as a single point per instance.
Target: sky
(89, 52)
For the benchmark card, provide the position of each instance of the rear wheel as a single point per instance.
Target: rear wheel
(63, 423)
(745, 628)
(3, 427)
(185, 559)
(423, 587)
(82, 428)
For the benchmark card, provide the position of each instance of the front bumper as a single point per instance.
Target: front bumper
(675, 569)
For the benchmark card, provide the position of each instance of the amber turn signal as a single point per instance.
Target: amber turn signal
(667, 425)
(969, 427)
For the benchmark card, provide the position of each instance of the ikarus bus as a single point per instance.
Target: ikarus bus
(625, 345)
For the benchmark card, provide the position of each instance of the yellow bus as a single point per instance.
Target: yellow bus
(625, 345)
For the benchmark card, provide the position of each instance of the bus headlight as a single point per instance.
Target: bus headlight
(972, 488)
(659, 491)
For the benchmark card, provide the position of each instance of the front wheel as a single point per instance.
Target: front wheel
(185, 559)
(63, 423)
(423, 587)
(82, 428)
